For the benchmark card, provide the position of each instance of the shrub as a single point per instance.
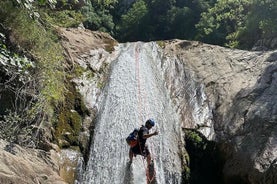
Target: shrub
(45, 87)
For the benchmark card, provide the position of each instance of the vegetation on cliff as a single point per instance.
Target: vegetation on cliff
(39, 94)
(205, 159)
(231, 23)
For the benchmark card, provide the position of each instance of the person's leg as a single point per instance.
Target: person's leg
(131, 154)
(148, 155)
(148, 159)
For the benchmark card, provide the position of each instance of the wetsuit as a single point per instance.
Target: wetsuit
(141, 148)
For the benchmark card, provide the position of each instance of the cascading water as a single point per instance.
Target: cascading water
(135, 92)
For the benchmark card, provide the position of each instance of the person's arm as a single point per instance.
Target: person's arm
(150, 135)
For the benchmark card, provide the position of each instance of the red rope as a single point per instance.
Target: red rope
(138, 82)
(140, 94)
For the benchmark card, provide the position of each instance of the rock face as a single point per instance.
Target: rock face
(228, 95)
(231, 97)
(27, 166)
(23, 165)
(89, 51)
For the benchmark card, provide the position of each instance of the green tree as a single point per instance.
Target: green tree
(158, 26)
(263, 13)
(180, 23)
(132, 25)
(224, 23)
(238, 23)
(183, 16)
(109, 4)
(166, 19)
(98, 17)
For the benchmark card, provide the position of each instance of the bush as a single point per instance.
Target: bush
(44, 88)
(62, 18)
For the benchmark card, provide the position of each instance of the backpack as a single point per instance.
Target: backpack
(132, 138)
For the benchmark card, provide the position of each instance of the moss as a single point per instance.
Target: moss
(161, 43)
(90, 75)
(194, 138)
(100, 84)
(78, 71)
(62, 18)
(109, 45)
(186, 175)
(28, 35)
(67, 128)
(69, 118)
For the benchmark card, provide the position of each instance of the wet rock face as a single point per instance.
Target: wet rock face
(235, 91)
(228, 95)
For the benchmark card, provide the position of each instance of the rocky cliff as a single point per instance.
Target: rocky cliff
(234, 90)
(49, 163)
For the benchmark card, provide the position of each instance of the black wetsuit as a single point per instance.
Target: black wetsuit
(141, 148)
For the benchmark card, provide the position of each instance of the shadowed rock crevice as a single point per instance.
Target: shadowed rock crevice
(205, 159)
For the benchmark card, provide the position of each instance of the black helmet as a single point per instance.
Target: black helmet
(150, 122)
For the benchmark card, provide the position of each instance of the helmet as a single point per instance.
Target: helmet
(151, 122)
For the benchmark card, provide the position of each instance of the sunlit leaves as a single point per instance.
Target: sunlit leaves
(223, 21)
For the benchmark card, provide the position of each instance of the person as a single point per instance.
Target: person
(141, 147)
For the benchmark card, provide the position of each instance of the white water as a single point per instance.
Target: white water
(135, 92)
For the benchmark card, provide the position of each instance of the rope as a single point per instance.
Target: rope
(140, 116)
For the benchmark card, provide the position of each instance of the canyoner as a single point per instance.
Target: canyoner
(137, 142)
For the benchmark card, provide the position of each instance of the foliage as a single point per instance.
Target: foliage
(62, 18)
(180, 18)
(105, 3)
(16, 128)
(45, 86)
(160, 20)
(231, 23)
(238, 24)
(195, 138)
(16, 79)
(97, 18)
(223, 22)
(263, 17)
(131, 26)
(13, 64)
(44, 48)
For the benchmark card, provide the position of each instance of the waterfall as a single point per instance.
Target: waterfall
(135, 92)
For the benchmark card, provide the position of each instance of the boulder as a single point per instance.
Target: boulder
(28, 166)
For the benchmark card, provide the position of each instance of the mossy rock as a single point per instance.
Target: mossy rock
(68, 127)
(70, 117)
(161, 43)
(195, 138)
